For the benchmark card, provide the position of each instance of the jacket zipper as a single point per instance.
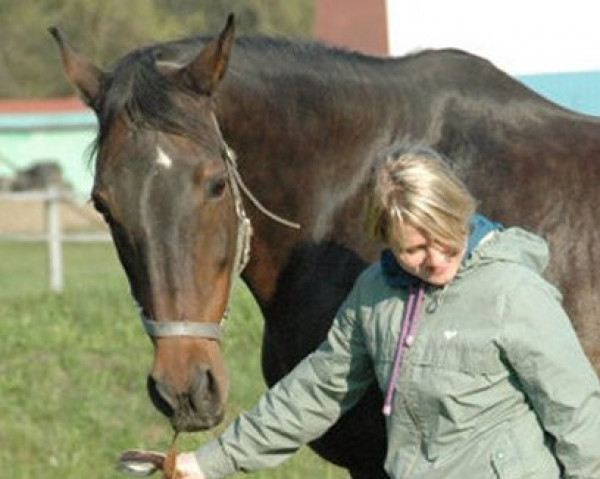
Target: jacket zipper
(417, 424)
(437, 298)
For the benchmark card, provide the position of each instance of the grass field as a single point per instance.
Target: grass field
(73, 370)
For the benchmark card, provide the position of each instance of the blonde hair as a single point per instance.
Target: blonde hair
(414, 184)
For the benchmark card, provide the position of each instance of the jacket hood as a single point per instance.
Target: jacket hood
(488, 241)
(513, 245)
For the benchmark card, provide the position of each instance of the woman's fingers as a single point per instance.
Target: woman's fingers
(187, 466)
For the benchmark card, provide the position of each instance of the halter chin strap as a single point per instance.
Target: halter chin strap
(214, 331)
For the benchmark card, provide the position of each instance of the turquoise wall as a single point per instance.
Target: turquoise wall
(579, 91)
(62, 137)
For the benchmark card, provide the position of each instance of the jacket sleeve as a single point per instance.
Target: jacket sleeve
(556, 376)
(299, 408)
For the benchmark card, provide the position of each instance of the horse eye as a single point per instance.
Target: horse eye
(216, 187)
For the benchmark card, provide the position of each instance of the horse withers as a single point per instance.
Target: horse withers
(304, 121)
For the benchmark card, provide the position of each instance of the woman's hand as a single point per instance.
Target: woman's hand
(187, 466)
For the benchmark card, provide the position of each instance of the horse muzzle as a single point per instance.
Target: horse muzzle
(198, 407)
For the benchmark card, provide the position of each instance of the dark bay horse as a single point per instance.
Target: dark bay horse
(305, 120)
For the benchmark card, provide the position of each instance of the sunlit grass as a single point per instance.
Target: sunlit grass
(73, 370)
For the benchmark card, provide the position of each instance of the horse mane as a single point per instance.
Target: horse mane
(137, 88)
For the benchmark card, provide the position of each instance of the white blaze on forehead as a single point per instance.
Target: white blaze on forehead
(162, 158)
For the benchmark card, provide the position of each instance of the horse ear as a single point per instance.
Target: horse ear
(79, 70)
(206, 70)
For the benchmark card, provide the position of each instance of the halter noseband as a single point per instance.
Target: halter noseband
(166, 329)
(214, 331)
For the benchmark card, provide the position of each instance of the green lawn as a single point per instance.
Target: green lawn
(73, 370)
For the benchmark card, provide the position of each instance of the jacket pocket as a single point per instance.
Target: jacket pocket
(460, 351)
(521, 456)
(503, 465)
(513, 458)
(506, 458)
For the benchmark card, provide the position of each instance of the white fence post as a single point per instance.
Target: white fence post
(54, 234)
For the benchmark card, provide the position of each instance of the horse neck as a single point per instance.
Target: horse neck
(295, 138)
(295, 133)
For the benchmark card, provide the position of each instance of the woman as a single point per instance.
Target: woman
(482, 373)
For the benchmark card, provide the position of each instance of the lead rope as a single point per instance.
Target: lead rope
(232, 165)
(236, 178)
(410, 323)
(244, 234)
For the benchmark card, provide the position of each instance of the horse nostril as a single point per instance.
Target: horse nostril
(196, 407)
(162, 399)
(204, 385)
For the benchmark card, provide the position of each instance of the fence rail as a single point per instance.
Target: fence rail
(54, 237)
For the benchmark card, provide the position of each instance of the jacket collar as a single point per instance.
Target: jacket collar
(396, 277)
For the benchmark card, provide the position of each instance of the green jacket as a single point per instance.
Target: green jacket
(495, 385)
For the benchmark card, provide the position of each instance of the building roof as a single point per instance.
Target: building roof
(36, 105)
(45, 114)
(356, 24)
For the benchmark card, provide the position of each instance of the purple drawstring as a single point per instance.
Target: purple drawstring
(410, 321)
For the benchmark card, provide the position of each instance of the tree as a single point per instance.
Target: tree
(105, 30)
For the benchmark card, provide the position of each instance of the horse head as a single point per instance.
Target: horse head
(165, 184)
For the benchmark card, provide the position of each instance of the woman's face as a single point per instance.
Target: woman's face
(426, 259)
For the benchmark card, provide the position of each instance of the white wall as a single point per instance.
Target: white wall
(519, 36)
